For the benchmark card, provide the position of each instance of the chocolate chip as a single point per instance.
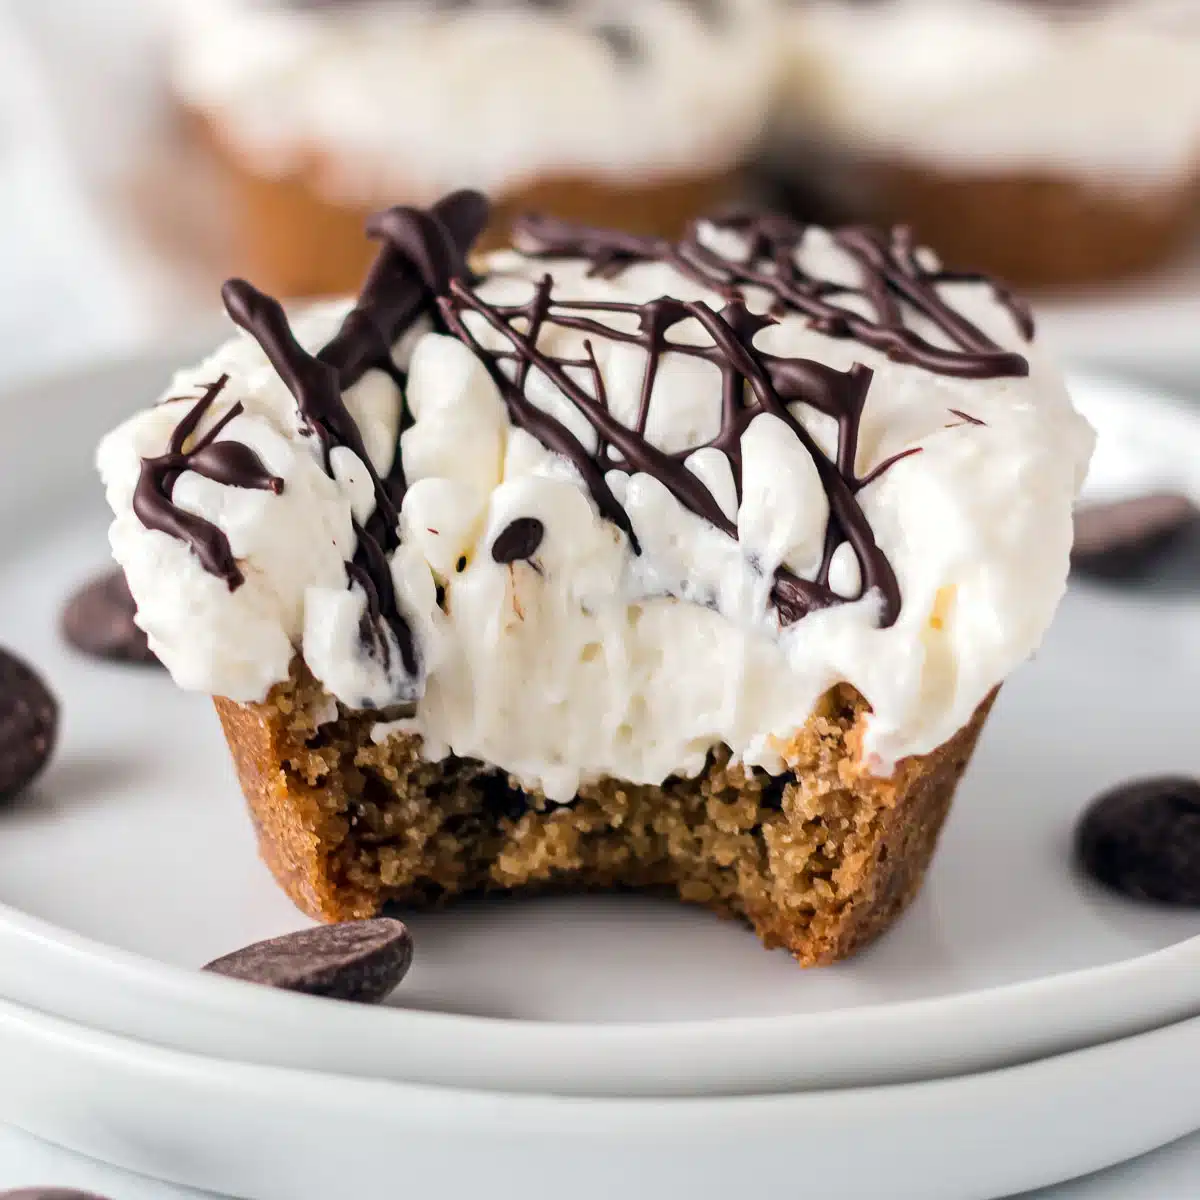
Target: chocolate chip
(28, 724)
(1125, 538)
(98, 620)
(48, 1193)
(1143, 839)
(519, 540)
(356, 960)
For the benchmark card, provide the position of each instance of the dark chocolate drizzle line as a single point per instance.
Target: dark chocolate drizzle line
(965, 418)
(773, 384)
(893, 279)
(422, 253)
(227, 462)
(422, 271)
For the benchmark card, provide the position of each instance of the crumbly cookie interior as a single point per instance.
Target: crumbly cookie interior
(818, 860)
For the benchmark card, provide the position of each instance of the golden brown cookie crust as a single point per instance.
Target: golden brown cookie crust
(821, 867)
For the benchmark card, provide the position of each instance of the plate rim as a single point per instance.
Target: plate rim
(716, 1132)
(755, 1055)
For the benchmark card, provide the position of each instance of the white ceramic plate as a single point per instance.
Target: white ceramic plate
(269, 1134)
(1145, 323)
(132, 863)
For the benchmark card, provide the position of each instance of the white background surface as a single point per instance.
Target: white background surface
(72, 287)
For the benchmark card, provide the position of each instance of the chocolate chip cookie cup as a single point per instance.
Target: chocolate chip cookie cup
(608, 561)
(1050, 145)
(630, 113)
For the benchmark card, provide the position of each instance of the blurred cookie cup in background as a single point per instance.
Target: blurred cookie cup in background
(1052, 144)
(625, 112)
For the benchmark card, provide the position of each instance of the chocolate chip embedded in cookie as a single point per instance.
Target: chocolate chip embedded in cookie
(28, 724)
(356, 960)
(1143, 839)
(1124, 538)
(98, 620)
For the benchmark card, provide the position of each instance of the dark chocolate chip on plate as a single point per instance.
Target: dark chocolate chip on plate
(1143, 839)
(28, 724)
(98, 620)
(362, 961)
(48, 1193)
(1123, 539)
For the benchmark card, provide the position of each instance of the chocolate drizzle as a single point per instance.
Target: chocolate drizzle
(227, 462)
(893, 279)
(965, 418)
(422, 274)
(773, 383)
(423, 252)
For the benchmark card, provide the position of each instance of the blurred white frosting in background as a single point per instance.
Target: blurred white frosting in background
(423, 97)
(1105, 90)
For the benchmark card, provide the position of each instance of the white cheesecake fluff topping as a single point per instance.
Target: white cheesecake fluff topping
(410, 98)
(1106, 90)
(583, 659)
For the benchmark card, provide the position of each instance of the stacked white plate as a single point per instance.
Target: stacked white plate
(1019, 1026)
